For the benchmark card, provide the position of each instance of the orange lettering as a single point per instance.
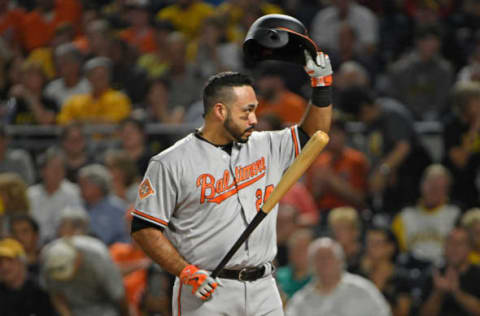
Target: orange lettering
(207, 181)
(258, 195)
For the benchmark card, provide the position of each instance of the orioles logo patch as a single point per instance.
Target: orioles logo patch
(145, 189)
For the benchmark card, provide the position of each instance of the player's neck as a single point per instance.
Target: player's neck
(213, 135)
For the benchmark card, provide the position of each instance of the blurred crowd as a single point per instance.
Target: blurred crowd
(379, 225)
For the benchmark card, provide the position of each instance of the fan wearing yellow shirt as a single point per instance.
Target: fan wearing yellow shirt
(103, 105)
(187, 16)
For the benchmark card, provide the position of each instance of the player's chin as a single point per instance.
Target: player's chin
(244, 138)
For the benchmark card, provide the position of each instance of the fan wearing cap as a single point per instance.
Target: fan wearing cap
(19, 295)
(82, 279)
(103, 104)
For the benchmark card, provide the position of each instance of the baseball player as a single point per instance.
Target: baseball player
(198, 196)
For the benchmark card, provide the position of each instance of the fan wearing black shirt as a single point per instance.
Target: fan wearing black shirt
(19, 295)
(453, 290)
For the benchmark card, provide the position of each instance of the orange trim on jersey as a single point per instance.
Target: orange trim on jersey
(178, 300)
(295, 141)
(220, 198)
(164, 223)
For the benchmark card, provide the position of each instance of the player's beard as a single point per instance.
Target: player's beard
(237, 133)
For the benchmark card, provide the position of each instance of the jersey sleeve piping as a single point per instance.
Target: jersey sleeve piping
(149, 218)
(295, 140)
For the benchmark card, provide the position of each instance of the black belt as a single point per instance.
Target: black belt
(245, 274)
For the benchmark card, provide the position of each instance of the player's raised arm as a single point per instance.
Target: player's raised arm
(319, 112)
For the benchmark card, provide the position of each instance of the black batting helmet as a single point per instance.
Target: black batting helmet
(278, 37)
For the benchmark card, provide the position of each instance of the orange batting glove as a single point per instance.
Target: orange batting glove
(319, 70)
(203, 285)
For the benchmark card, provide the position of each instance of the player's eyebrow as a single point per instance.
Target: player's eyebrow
(251, 106)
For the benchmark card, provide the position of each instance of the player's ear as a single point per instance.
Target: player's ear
(220, 111)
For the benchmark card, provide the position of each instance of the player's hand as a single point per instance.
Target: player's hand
(319, 70)
(202, 284)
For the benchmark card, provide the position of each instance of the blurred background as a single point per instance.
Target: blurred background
(90, 90)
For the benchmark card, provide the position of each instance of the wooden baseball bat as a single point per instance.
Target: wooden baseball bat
(306, 157)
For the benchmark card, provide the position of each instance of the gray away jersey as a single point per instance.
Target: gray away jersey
(205, 198)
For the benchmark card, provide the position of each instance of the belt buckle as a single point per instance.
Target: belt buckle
(240, 274)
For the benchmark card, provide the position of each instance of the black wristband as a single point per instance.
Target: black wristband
(321, 96)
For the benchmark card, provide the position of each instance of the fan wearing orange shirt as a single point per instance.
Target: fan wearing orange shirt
(140, 34)
(39, 25)
(339, 175)
(275, 98)
(10, 23)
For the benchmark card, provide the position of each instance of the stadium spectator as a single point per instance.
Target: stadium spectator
(139, 34)
(52, 194)
(156, 300)
(127, 75)
(471, 222)
(68, 61)
(134, 143)
(103, 104)
(212, 53)
(461, 32)
(348, 51)
(187, 16)
(334, 291)
(471, 71)
(125, 177)
(13, 198)
(181, 73)
(73, 142)
(275, 98)
(241, 14)
(105, 210)
(395, 152)
(287, 225)
(17, 161)
(156, 62)
(45, 56)
(300, 198)
(455, 288)
(421, 229)
(26, 231)
(27, 103)
(421, 79)
(133, 265)
(155, 108)
(82, 279)
(11, 24)
(73, 221)
(345, 227)
(350, 74)
(297, 273)
(379, 266)
(39, 24)
(327, 23)
(97, 39)
(19, 294)
(461, 139)
(338, 177)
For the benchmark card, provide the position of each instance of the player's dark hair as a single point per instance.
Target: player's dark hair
(214, 90)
